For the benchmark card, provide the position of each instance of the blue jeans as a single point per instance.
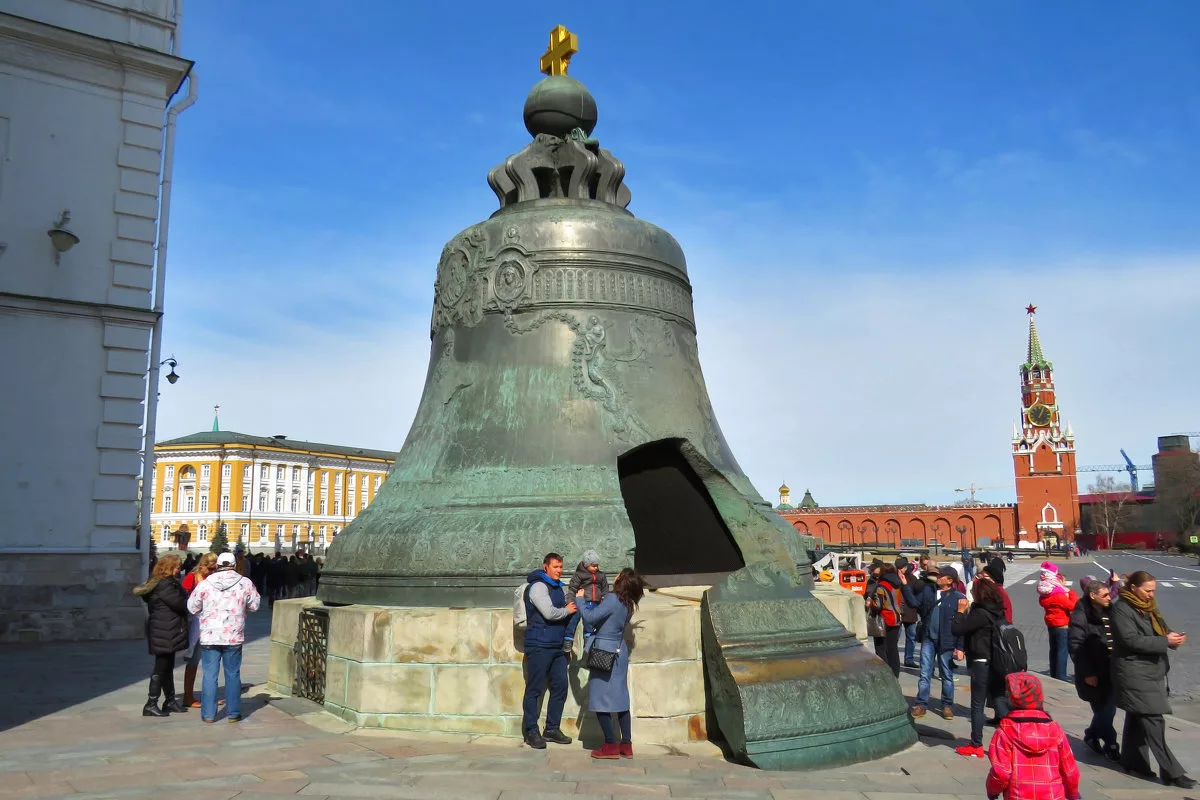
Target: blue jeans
(542, 663)
(929, 655)
(910, 641)
(573, 621)
(1103, 712)
(1059, 656)
(229, 658)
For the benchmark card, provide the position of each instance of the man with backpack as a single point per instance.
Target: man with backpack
(547, 610)
(936, 604)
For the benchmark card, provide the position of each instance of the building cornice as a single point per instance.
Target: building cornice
(48, 48)
(77, 308)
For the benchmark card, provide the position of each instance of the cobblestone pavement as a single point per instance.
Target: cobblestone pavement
(70, 726)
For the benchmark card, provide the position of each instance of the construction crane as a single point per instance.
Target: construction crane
(972, 489)
(1128, 466)
(1131, 469)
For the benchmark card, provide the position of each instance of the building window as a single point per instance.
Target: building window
(279, 532)
(322, 534)
(378, 480)
(324, 478)
(224, 502)
(337, 508)
(262, 502)
(296, 532)
(262, 532)
(203, 532)
(279, 501)
(353, 481)
(203, 503)
(189, 503)
(312, 476)
(205, 471)
(169, 472)
(308, 505)
(337, 480)
(295, 474)
(279, 472)
(350, 507)
(246, 531)
(168, 504)
(323, 507)
(247, 471)
(245, 502)
(226, 470)
(264, 472)
(295, 502)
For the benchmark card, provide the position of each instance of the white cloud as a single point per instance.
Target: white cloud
(870, 387)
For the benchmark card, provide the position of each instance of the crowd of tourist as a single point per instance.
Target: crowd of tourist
(1114, 634)
(277, 577)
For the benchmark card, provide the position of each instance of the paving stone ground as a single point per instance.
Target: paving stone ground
(70, 726)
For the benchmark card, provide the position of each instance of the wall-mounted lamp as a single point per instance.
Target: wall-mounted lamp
(62, 239)
(172, 376)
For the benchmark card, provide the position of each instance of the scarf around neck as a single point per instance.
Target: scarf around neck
(1147, 608)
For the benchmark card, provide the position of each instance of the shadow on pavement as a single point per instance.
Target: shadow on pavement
(47, 678)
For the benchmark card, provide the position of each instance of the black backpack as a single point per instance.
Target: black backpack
(1008, 648)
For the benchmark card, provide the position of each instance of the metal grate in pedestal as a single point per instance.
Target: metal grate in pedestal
(312, 644)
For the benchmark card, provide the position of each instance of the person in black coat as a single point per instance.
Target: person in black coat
(1090, 642)
(975, 622)
(166, 632)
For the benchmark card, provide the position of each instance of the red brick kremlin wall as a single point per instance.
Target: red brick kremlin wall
(908, 525)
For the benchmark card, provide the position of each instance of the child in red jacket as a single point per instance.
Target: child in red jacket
(1057, 602)
(1031, 758)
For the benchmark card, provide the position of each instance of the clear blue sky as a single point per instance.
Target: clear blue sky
(868, 193)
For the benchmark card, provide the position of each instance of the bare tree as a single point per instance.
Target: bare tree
(1109, 509)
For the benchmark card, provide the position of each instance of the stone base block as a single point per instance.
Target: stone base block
(847, 608)
(461, 671)
(71, 597)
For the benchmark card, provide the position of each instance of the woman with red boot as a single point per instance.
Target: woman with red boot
(608, 689)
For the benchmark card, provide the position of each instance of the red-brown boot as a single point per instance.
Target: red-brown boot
(189, 687)
(607, 751)
(626, 749)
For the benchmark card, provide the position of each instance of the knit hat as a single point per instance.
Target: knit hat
(996, 574)
(1024, 690)
(590, 558)
(1050, 566)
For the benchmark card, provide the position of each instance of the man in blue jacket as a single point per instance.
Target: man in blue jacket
(936, 605)
(546, 612)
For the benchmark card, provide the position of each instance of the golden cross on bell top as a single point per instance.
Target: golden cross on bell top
(563, 45)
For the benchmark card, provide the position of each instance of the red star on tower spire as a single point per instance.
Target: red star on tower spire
(1030, 309)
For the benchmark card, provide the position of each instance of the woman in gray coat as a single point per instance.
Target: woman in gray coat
(608, 692)
(1141, 640)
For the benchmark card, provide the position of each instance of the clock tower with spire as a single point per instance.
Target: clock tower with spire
(1043, 453)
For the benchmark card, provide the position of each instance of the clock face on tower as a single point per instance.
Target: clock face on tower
(1039, 415)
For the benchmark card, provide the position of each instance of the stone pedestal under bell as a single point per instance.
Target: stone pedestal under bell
(458, 671)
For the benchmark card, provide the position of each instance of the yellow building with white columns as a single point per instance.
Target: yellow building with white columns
(271, 493)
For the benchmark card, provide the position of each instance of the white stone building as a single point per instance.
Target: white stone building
(84, 128)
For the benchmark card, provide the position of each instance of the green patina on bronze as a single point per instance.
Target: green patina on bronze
(790, 687)
(563, 349)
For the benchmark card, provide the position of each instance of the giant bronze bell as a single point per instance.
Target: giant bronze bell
(565, 408)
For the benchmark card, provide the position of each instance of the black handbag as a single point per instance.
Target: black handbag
(601, 660)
